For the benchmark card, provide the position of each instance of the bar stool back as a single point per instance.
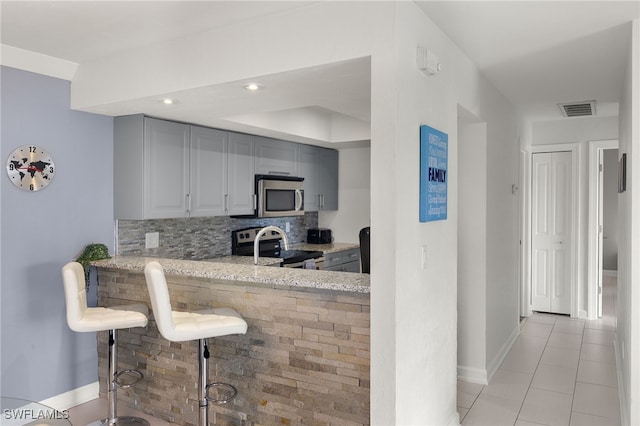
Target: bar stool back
(182, 326)
(81, 318)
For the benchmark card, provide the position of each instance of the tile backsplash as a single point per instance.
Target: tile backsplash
(200, 237)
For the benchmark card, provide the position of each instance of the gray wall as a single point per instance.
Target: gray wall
(610, 211)
(41, 231)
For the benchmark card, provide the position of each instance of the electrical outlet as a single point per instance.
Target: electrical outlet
(287, 227)
(152, 240)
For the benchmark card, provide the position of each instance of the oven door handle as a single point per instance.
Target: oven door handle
(300, 265)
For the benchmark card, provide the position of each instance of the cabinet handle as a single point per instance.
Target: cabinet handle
(187, 202)
(226, 203)
(271, 172)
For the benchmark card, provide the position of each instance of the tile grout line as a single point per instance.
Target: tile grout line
(534, 372)
(575, 382)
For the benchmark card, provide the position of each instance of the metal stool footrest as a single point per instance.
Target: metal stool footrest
(225, 388)
(138, 376)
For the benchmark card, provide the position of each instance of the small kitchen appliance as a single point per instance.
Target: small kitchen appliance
(270, 245)
(319, 236)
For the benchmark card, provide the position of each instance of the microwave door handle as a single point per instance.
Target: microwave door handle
(299, 200)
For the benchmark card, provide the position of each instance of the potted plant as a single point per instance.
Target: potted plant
(92, 252)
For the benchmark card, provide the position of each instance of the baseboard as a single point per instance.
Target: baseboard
(472, 375)
(609, 273)
(495, 363)
(582, 314)
(74, 397)
(622, 397)
(455, 420)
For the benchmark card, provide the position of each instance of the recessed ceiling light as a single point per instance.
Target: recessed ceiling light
(253, 86)
(168, 101)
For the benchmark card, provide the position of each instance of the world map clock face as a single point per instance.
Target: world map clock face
(30, 168)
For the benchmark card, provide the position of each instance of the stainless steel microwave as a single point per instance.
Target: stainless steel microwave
(279, 196)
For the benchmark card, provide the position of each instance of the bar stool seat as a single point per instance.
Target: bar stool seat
(82, 318)
(178, 326)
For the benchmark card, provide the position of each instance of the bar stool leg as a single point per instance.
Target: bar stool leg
(113, 387)
(203, 376)
(113, 418)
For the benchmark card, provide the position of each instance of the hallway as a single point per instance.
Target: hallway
(560, 371)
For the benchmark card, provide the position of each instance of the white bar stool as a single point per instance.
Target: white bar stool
(84, 319)
(181, 326)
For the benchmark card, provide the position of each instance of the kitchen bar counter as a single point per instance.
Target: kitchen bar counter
(236, 269)
(304, 359)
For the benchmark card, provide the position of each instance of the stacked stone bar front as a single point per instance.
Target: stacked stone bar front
(304, 360)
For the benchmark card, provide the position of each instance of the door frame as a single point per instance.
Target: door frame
(574, 148)
(595, 149)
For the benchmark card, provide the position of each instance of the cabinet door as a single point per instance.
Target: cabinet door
(208, 172)
(276, 157)
(319, 167)
(166, 169)
(327, 176)
(128, 175)
(240, 159)
(308, 169)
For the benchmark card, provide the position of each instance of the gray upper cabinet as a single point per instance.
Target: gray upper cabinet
(319, 168)
(240, 160)
(221, 173)
(164, 169)
(151, 168)
(208, 183)
(276, 157)
(328, 179)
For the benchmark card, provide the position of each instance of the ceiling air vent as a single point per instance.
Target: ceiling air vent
(578, 109)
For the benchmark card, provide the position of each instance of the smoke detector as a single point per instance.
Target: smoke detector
(578, 109)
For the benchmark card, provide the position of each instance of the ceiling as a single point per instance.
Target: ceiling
(538, 54)
(542, 53)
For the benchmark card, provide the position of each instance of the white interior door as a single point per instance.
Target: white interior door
(551, 232)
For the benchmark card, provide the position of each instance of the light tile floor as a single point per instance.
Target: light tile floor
(90, 412)
(560, 371)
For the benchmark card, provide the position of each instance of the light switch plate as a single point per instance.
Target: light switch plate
(152, 240)
(424, 257)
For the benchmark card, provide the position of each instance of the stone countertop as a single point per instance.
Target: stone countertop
(246, 260)
(326, 248)
(246, 273)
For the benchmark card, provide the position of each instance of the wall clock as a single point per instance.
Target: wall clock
(30, 168)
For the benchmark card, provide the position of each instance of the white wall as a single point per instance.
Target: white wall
(628, 307)
(472, 252)
(413, 342)
(425, 298)
(354, 196)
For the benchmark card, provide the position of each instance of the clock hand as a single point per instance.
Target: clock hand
(31, 168)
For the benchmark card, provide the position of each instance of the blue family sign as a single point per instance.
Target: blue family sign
(434, 152)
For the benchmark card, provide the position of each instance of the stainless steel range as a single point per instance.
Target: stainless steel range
(271, 245)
